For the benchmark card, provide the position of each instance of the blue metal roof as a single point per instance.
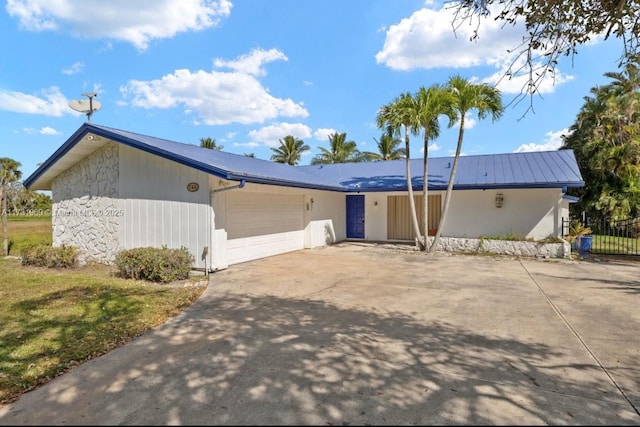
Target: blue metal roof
(547, 169)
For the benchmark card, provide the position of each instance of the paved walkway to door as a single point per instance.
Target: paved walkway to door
(363, 334)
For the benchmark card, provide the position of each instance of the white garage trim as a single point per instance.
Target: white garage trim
(263, 224)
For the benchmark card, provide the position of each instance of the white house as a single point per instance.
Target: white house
(115, 190)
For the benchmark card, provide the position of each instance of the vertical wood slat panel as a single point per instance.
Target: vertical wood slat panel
(399, 222)
(435, 210)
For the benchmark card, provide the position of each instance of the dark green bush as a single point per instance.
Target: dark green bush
(50, 256)
(154, 264)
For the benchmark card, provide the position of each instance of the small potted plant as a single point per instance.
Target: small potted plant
(576, 231)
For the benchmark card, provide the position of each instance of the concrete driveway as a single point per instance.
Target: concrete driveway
(365, 334)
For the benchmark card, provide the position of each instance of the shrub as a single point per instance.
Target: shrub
(511, 236)
(577, 229)
(551, 239)
(521, 238)
(154, 264)
(50, 256)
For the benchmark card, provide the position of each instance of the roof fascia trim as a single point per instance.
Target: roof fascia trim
(559, 185)
(283, 183)
(186, 161)
(61, 151)
(88, 128)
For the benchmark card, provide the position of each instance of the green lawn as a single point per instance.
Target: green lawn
(25, 231)
(54, 319)
(615, 245)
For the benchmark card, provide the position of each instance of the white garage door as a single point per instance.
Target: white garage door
(261, 224)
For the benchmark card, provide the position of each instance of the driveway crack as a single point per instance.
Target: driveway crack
(577, 335)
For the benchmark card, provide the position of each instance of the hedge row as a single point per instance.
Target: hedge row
(153, 264)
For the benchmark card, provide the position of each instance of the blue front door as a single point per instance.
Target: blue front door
(355, 217)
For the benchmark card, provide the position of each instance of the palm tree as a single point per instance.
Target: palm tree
(431, 103)
(604, 139)
(614, 149)
(210, 143)
(482, 98)
(341, 151)
(9, 172)
(387, 148)
(580, 140)
(250, 155)
(400, 114)
(290, 150)
(628, 81)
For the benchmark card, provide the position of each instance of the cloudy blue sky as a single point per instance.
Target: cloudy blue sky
(248, 73)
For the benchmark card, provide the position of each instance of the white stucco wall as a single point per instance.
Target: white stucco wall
(532, 213)
(375, 216)
(327, 218)
(86, 208)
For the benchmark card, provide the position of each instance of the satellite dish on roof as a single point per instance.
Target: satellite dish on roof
(86, 106)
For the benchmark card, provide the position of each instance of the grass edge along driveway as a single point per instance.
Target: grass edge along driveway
(54, 319)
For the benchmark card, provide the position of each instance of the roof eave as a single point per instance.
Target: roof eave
(282, 183)
(560, 185)
(86, 128)
(61, 151)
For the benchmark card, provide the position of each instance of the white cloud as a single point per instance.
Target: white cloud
(452, 153)
(469, 123)
(246, 144)
(252, 62)
(136, 22)
(322, 134)
(427, 40)
(216, 97)
(51, 103)
(48, 131)
(554, 141)
(74, 68)
(270, 135)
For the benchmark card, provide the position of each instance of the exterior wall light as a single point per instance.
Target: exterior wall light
(499, 200)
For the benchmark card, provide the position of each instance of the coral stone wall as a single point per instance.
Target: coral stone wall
(504, 247)
(86, 209)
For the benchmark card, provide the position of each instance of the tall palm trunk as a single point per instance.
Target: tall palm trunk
(447, 197)
(425, 194)
(412, 203)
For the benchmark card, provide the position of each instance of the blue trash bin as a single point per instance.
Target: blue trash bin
(585, 245)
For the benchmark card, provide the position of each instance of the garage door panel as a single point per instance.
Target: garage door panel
(250, 248)
(261, 225)
(259, 214)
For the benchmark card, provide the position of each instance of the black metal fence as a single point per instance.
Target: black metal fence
(619, 237)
